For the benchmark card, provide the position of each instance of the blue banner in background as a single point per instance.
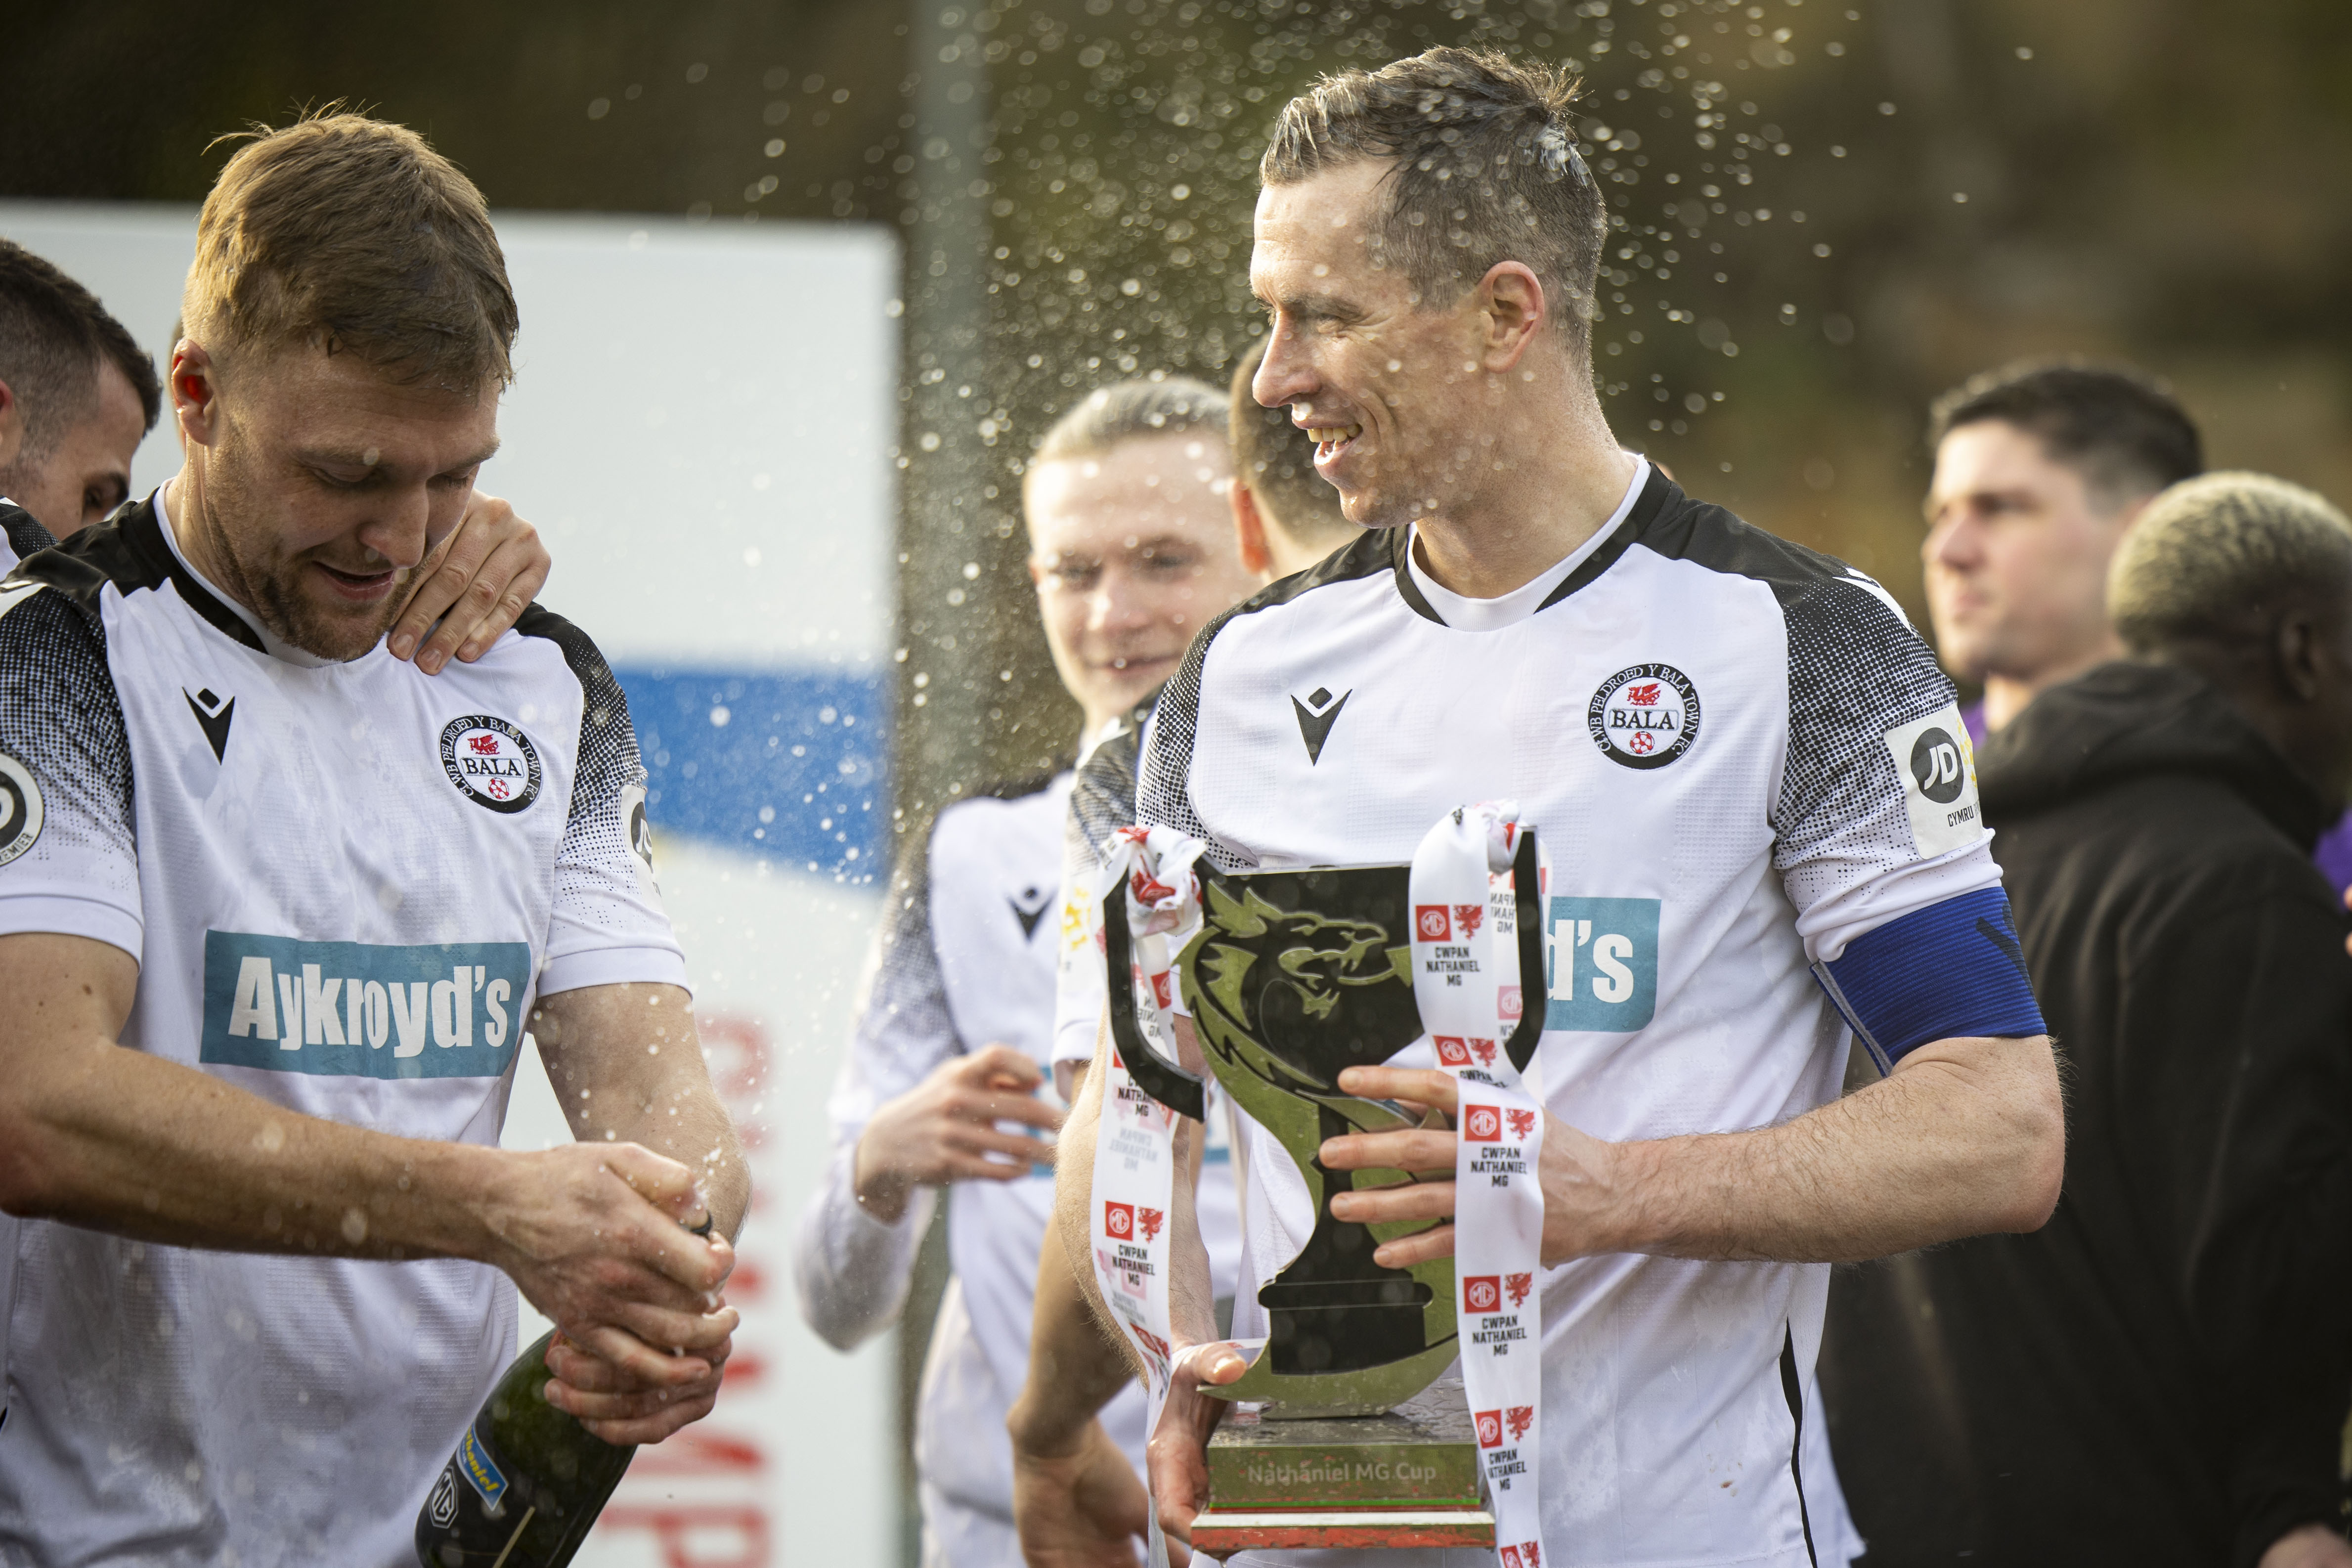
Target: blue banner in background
(788, 766)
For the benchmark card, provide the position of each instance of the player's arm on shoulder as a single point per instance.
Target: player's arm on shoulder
(475, 583)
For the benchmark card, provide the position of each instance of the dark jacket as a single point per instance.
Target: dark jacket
(2160, 1374)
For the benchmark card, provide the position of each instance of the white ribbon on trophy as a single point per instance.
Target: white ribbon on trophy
(1135, 1163)
(1468, 986)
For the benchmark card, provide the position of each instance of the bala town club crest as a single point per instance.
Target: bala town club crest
(491, 762)
(1644, 716)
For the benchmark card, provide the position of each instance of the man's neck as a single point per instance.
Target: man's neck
(1564, 477)
(2005, 696)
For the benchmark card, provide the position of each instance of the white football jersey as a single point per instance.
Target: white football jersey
(345, 885)
(965, 959)
(1720, 738)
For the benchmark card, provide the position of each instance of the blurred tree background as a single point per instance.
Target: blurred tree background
(1828, 211)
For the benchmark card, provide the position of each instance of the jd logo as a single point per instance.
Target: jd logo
(20, 808)
(1936, 767)
(1604, 964)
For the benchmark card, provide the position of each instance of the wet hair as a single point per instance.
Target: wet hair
(2119, 428)
(2220, 558)
(349, 235)
(1167, 405)
(54, 335)
(1275, 458)
(1485, 169)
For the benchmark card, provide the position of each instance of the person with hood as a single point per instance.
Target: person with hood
(2160, 1374)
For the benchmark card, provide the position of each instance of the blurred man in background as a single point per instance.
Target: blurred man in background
(2160, 1374)
(946, 1086)
(1076, 1497)
(77, 394)
(2040, 471)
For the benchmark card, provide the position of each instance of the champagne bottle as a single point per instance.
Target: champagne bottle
(525, 1484)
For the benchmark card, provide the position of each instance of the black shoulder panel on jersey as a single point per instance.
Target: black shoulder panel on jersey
(1020, 788)
(61, 717)
(608, 760)
(1178, 714)
(1102, 800)
(1856, 669)
(128, 551)
(24, 532)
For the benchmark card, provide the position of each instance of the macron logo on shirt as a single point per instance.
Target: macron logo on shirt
(350, 1009)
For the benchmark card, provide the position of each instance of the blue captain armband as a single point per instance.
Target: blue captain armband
(1949, 970)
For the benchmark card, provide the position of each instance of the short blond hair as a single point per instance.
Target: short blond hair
(1131, 410)
(2221, 556)
(350, 235)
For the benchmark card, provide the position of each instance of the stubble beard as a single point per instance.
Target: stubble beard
(270, 584)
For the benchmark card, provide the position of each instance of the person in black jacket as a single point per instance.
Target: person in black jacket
(2160, 1374)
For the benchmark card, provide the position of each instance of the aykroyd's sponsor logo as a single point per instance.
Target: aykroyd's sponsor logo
(213, 716)
(491, 762)
(20, 808)
(1316, 714)
(1644, 716)
(1029, 906)
(349, 1009)
(1604, 964)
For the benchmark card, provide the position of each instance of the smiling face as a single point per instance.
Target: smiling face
(320, 482)
(2017, 551)
(1389, 384)
(1132, 552)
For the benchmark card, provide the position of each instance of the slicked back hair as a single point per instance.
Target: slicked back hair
(1486, 169)
(2220, 558)
(1169, 406)
(2119, 428)
(1277, 459)
(350, 235)
(54, 335)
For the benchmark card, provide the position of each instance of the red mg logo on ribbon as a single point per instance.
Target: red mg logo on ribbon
(1482, 1124)
(1510, 1558)
(1451, 1050)
(1432, 923)
(1490, 1430)
(1118, 1219)
(1483, 1293)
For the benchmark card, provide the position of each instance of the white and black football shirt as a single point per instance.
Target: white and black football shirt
(345, 885)
(1757, 795)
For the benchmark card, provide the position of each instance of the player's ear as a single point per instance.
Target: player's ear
(1513, 309)
(12, 424)
(194, 390)
(1249, 529)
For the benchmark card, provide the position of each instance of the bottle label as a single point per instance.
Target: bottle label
(474, 1462)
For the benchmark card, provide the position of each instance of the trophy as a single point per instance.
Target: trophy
(1294, 976)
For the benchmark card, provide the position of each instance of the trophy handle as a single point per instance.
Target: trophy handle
(1180, 1091)
(1528, 896)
